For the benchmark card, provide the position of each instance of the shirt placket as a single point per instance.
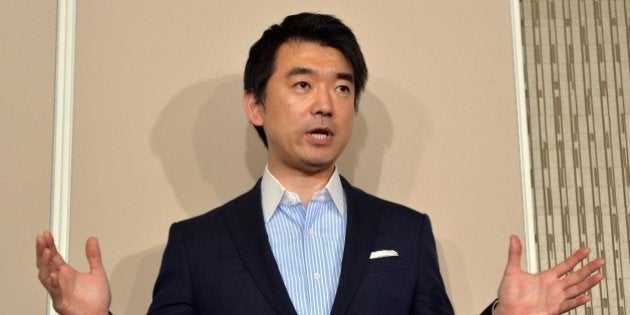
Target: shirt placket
(315, 271)
(297, 213)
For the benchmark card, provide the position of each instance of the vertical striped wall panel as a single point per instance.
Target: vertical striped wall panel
(577, 91)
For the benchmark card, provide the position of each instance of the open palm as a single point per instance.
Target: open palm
(549, 292)
(73, 292)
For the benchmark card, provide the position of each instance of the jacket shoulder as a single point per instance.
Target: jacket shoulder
(381, 206)
(213, 220)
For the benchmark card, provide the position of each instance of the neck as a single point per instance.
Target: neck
(303, 183)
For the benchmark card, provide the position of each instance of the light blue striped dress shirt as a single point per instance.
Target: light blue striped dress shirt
(307, 243)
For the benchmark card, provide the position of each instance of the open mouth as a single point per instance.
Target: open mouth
(320, 133)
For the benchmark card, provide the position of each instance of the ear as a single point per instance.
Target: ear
(254, 109)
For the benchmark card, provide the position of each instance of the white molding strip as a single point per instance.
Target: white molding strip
(526, 179)
(62, 133)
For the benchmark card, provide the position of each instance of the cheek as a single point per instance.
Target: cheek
(348, 121)
(349, 124)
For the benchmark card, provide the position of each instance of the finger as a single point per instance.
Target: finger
(50, 242)
(54, 280)
(47, 282)
(48, 237)
(50, 281)
(93, 254)
(585, 285)
(42, 242)
(570, 263)
(39, 250)
(573, 303)
(514, 254)
(53, 286)
(57, 261)
(583, 272)
(44, 266)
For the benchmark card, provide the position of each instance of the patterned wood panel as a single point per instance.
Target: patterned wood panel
(577, 91)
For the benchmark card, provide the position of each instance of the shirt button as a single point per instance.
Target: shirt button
(311, 231)
(317, 276)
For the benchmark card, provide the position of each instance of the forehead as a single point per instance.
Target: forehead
(313, 55)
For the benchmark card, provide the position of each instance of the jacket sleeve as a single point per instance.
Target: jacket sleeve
(430, 294)
(490, 309)
(172, 293)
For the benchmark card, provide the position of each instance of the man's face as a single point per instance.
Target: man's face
(308, 110)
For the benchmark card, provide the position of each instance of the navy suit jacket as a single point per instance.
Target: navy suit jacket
(221, 263)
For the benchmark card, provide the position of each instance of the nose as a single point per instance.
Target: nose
(322, 103)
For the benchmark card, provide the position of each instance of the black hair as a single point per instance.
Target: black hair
(324, 29)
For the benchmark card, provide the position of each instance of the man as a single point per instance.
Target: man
(303, 240)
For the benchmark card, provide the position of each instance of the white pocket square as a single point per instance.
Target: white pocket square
(383, 253)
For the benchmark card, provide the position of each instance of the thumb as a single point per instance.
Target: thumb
(514, 254)
(93, 253)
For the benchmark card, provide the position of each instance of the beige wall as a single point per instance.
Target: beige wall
(27, 65)
(160, 135)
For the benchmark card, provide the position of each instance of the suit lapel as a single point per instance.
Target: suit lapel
(245, 222)
(360, 236)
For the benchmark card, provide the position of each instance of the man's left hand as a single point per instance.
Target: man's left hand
(552, 291)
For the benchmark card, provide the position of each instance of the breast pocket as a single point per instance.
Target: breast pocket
(383, 264)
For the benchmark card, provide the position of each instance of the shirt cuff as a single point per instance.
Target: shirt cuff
(494, 305)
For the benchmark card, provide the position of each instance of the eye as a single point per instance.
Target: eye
(343, 89)
(302, 85)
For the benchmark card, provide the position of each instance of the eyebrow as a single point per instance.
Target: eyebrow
(304, 70)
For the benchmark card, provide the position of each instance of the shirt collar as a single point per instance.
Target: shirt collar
(272, 192)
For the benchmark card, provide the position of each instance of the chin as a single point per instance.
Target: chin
(318, 165)
(316, 161)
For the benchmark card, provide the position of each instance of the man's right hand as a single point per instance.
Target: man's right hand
(73, 292)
